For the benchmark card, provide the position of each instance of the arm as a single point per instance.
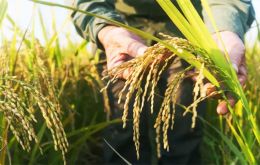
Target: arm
(230, 15)
(119, 44)
(87, 26)
(233, 18)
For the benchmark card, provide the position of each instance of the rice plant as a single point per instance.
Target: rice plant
(238, 139)
(48, 86)
(219, 139)
(212, 64)
(148, 69)
(22, 96)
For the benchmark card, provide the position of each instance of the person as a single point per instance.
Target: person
(233, 18)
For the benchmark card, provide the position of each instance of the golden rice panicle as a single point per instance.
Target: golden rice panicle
(26, 92)
(15, 114)
(141, 87)
(198, 87)
(136, 123)
(199, 96)
(157, 127)
(51, 113)
(165, 113)
(147, 84)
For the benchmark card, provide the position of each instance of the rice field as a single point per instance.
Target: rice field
(53, 108)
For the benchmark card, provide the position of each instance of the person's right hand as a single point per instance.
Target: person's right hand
(120, 46)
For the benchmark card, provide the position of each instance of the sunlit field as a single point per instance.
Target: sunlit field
(54, 104)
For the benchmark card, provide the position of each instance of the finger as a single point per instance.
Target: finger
(242, 74)
(235, 66)
(193, 74)
(209, 89)
(194, 77)
(141, 50)
(236, 59)
(242, 69)
(222, 107)
(242, 79)
(115, 59)
(112, 54)
(135, 48)
(126, 73)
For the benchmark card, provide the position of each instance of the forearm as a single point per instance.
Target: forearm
(230, 15)
(87, 26)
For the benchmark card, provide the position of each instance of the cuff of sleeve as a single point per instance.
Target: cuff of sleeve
(227, 18)
(97, 24)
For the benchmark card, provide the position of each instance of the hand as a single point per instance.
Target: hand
(236, 51)
(120, 46)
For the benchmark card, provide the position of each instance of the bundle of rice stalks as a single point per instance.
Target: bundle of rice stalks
(211, 62)
(147, 70)
(26, 91)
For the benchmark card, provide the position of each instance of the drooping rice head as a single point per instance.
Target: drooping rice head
(147, 70)
(23, 93)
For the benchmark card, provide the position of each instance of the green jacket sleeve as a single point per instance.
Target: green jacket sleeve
(88, 26)
(230, 15)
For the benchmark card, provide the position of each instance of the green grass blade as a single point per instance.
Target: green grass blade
(36, 147)
(3, 9)
(227, 141)
(43, 27)
(126, 161)
(57, 50)
(247, 151)
(19, 31)
(96, 127)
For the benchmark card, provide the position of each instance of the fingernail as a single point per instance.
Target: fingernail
(235, 67)
(141, 51)
(219, 111)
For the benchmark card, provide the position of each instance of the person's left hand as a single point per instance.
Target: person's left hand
(236, 51)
